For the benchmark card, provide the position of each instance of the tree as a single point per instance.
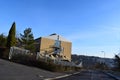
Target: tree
(11, 39)
(102, 65)
(27, 39)
(117, 61)
(3, 40)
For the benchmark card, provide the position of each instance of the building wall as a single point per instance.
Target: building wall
(67, 49)
(46, 45)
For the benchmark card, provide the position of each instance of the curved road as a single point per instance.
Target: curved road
(88, 75)
(13, 71)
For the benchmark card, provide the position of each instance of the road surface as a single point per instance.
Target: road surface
(88, 75)
(13, 71)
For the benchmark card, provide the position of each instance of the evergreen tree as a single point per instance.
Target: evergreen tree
(117, 61)
(11, 39)
(3, 40)
(27, 39)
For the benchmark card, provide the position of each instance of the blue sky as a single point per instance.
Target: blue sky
(92, 25)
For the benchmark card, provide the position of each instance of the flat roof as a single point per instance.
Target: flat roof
(55, 37)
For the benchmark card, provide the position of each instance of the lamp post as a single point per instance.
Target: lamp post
(104, 58)
(103, 53)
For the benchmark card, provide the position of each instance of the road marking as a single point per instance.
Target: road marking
(40, 76)
(58, 77)
(76, 73)
(61, 76)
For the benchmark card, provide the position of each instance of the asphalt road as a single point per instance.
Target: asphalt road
(88, 75)
(13, 71)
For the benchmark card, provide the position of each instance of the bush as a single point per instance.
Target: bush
(49, 65)
(4, 53)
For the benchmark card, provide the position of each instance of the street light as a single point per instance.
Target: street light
(103, 53)
(104, 58)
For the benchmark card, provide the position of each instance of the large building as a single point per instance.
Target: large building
(54, 45)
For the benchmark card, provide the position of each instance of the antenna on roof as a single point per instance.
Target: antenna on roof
(53, 34)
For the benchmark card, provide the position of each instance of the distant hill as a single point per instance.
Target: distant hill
(91, 61)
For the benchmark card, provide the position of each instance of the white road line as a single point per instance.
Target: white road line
(58, 77)
(76, 73)
(61, 76)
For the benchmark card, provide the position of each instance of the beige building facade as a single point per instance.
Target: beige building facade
(47, 46)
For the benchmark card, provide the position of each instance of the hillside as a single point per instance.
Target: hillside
(91, 61)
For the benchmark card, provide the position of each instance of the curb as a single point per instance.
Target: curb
(113, 76)
(58, 77)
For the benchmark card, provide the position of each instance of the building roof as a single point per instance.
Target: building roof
(55, 37)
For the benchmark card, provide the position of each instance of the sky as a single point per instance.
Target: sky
(93, 26)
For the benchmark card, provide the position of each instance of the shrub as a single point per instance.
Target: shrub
(49, 65)
(4, 53)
